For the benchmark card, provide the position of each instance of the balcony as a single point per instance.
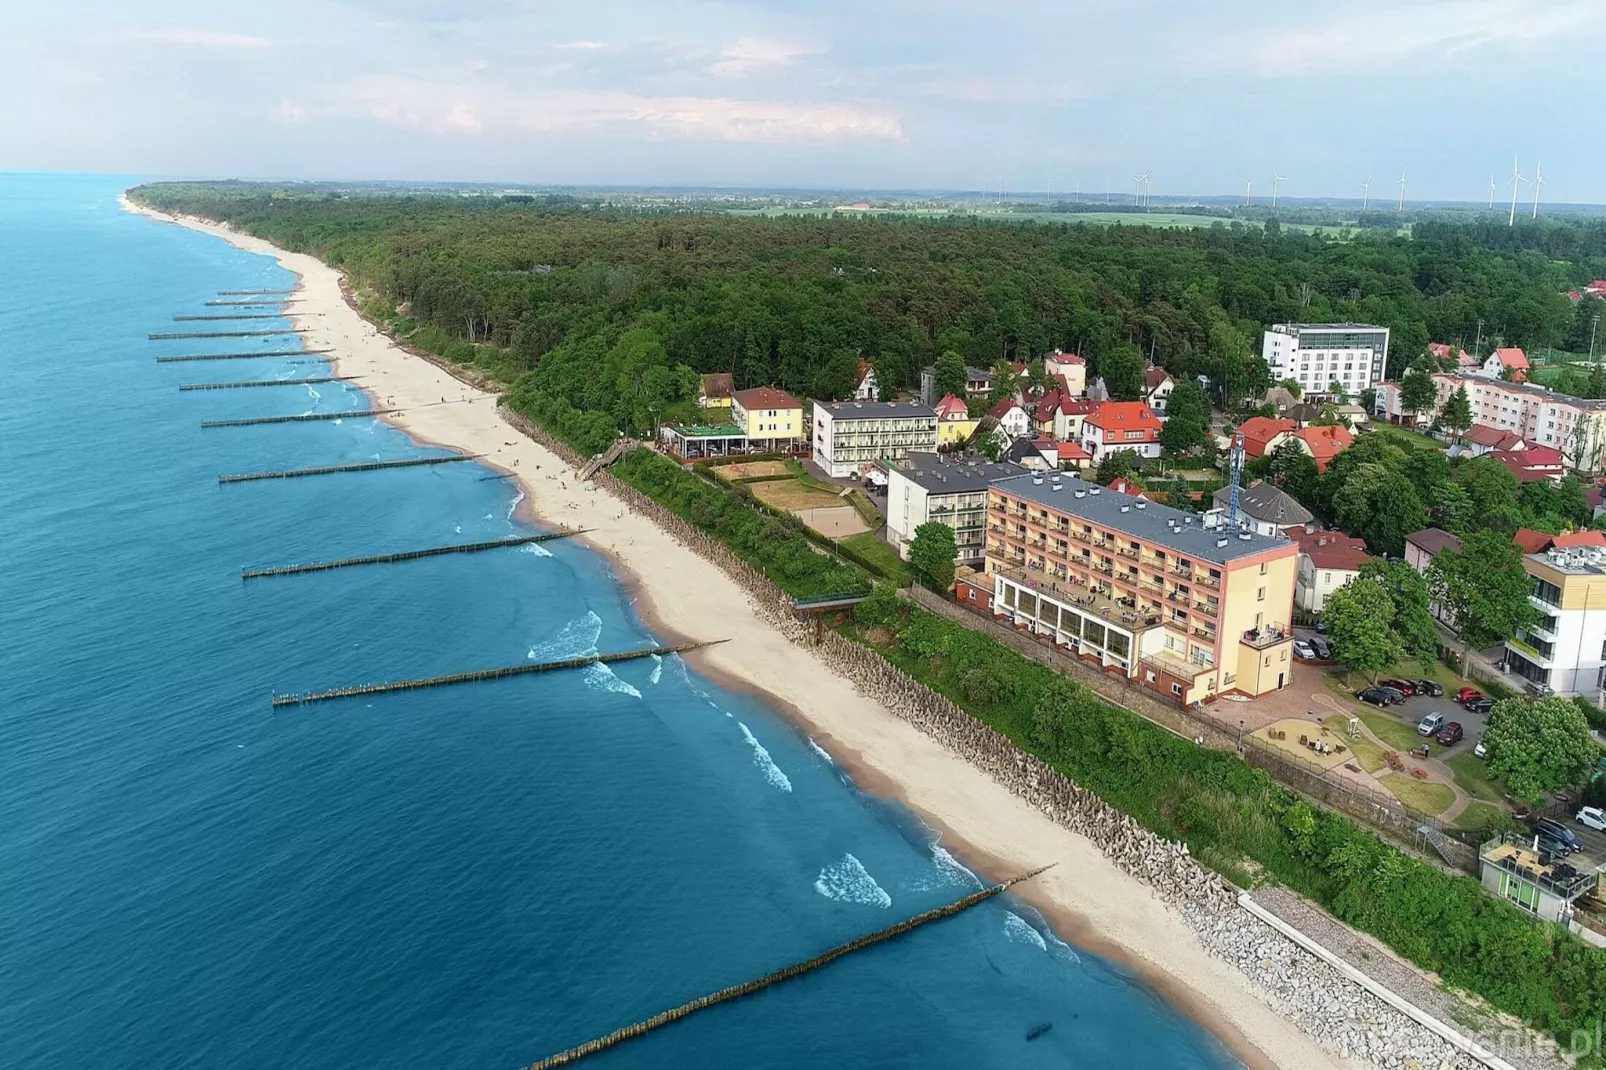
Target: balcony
(1107, 569)
(1205, 633)
(1092, 603)
(1530, 652)
(1127, 551)
(1212, 582)
(1185, 573)
(1266, 636)
(1212, 608)
(1543, 630)
(1176, 663)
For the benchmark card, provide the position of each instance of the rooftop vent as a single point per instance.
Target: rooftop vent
(1081, 494)
(1187, 520)
(1054, 485)
(1125, 508)
(1141, 505)
(1245, 536)
(1221, 542)
(1095, 490)
(1037, 481)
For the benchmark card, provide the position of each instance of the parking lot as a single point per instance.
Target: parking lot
(1416, 707)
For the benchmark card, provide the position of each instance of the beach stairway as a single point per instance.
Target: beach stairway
(1436, 840)
(620, 447)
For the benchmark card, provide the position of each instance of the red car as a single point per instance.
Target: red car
(1404, 687)
(1467, 694)
(1449, 734)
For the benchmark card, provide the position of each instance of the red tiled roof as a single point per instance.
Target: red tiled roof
(1070, 451)
(1065, 358)
(1334, 551)
(1532, 464)
(1123, 485)
(1325, 443)
(1045, 406)
(1495, 438)
(1153, 377)
(1531, 541)
(1512, 357)
(1125, 416)
(1579, 538)
(765, 397)
(1260, 430)
(952, 408)
(1002, 409)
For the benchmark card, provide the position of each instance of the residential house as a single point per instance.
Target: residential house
(868, 387)
(1508, 362)
(1356, 415)
(771, 418)
(1421, 547)
(1264, 508)
(716, 390)
(1480, 439)
(1445, 353)
(978, 383)
(1040, 454)
(1142, 590)
(1262, 434)
(1278, 397)
(1013, 420)
(1324, 443)
(1304, 414)
(1070, 369)
(1575, 426)
(1073, 458)
(1328, 560)
(1157, 387)
(1536, 464)
(850, 436)
(932, 487)
(1121, 425)
(954, 422)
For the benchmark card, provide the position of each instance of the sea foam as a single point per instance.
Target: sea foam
(762, 759)
(602, 678)
(848, 881)
(821, 752)
(576, 639)
(1022, 931)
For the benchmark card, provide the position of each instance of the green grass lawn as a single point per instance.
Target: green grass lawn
(866, 545)
(1472, 774)
(1480, 815)
(1411, 440)
(1396, 734)
(1369, 755)
(1420, 796)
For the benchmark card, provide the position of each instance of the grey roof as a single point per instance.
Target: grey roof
(1266, 502)
(938, 475)
(1464, 378)
(1141, 520)
(874, 410)
(1330, 327)
(1433, 540)
(972, 373)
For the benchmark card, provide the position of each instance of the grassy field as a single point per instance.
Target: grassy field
(866, 545)
(1396, 734)
(749, 469)
(1404, 437)
(1420, 796)
(791, 495)
(1480, 815)
(1369, 755)
(1472, 774)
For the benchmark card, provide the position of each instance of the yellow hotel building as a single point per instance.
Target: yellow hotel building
(1141, 589)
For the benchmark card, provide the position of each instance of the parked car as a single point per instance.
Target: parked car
(1592, 816)
(1428, 687)
(1449, 735)
(1430, 724)
(1378, 696)
(1467, 693)
(1304, 651)
(1548, 829)
(1323, 648)
(1480, 705)
(1482, 749)
(1321, 627)
(1404, 687)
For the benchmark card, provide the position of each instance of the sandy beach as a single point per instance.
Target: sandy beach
(679, 594)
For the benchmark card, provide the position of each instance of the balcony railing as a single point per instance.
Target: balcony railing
(1211, 608)
(1081, 536)
(1267, 635)
(1205, 633)
(1213, 582)
(1127, 551)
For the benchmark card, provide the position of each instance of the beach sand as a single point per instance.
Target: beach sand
(1089, 900)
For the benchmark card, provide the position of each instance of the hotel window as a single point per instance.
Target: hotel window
(1260, 594)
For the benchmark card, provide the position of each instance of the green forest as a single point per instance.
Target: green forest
(610, 311)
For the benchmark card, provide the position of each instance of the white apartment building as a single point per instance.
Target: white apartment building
(929, 487)
(1316, 354)
(1566, 650)
(850, 436)
(1574, 426)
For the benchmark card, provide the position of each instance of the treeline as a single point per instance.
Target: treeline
(1236, 818)
(796, 301)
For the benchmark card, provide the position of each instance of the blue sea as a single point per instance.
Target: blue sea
(476, 876)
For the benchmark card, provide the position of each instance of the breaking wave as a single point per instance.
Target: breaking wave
(762, 759)
(848, 881)
(1021, 931)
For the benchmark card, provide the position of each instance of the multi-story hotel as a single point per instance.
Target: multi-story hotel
(1575, 426)
(928, 487)
(1144, 590)
(850, 436)
(1566, 650)
(1316, 355)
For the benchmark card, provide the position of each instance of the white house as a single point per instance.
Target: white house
(1070, 369)
(1157, 387)
(1121, 425)
(1263, 508)
(866, 390)
(1013, 420)
(930, 487)
(1328, 560)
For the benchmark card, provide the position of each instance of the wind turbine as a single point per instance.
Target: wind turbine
(1148, 185)
(1366, 194)
(1516, 180)
(1539, 180)
(1249, 192)
(1400, 207)
(1492, 188)
(1276, 181)
(1137, 198)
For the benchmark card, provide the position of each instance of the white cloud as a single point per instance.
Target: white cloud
(751, 54)
(291, 111)
(202, 38)
(1048, 89)
(581, 46)
(420, 105)
(1432, 31)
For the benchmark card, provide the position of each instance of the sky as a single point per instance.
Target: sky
(1027, 95)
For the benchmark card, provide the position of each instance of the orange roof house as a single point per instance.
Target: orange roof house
(1325, 443)
(1263, 433)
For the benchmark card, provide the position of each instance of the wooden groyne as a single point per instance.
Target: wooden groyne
(169, 336)
(408, 555)
(269, 382)
(303, 418)
(365, 466)
(487, 674)
(250, 303)
(747, 988)
(247, 293)
(229, 316)
(244, 356)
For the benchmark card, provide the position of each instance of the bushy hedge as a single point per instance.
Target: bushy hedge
(775, 544)
(1231, 814)
(588, 432)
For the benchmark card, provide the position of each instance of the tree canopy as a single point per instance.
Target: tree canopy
(1539, 746)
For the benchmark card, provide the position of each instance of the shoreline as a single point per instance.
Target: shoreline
(1086, 898)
